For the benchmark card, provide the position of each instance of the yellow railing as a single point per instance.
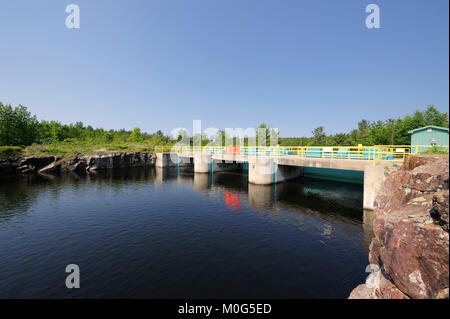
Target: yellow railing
(376, 153)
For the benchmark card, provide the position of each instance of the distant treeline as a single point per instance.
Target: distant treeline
(374, 133)
(18, 127)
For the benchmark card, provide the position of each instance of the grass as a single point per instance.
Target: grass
(435, 150)
(73, 148)
(10, 151)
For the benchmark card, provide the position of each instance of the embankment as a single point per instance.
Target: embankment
(78, 163)
(411, 243)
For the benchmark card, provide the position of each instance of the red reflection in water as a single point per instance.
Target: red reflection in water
(231, 200)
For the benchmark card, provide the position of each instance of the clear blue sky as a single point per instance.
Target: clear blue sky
(160, 64)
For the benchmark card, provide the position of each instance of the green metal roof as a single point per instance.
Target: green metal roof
(428, 126)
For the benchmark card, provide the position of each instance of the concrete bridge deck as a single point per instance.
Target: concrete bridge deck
(266, 170)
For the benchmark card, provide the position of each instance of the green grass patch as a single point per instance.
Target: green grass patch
(436, 150)
(73, 147)
(10, 151)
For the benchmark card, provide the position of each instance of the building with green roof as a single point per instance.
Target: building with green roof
(429, 135)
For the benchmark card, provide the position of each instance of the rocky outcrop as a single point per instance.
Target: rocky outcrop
(79, 163)
(385, 289)
(32, 164)
(8, 166)
(122, 160)
(411, 241)
(51, 168)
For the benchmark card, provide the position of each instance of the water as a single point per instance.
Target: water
(166, 234)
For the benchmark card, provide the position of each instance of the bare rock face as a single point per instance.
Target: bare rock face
(36, 163)
(439, 211)
(50, 168)
(122, 160)
(79, 163)
(385, 290)
(411, 228)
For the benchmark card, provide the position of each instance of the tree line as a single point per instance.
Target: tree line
(18, 127)
(374, 133)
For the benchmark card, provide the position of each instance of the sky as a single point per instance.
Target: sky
(160, 64)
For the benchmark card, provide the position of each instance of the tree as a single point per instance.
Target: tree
(268, 135)
(136, 135)
(339, 139)
(17, 126)
(219, 139)
(319, 136)
(433, 117)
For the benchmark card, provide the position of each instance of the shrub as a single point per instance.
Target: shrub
(436, 150)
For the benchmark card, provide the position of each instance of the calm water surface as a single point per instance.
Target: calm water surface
(174, 234)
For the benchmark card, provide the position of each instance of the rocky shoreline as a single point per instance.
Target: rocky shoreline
(410, 250)
(78, 163)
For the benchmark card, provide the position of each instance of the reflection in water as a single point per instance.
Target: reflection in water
(162, 233)
(201, 182)
(261, 196)
(231, 200)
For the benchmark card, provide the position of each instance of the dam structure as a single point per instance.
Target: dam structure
(271, 165)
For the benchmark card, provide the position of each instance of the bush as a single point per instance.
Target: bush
(10, 151)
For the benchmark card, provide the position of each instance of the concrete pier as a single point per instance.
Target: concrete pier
(374, 178)
(202, 163)
(266, 171)
(164, 160)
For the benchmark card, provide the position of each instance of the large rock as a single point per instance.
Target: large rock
(411, 228)
(36, 163)
(384, 289)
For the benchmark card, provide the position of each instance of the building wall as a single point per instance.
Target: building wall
(423, 137)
